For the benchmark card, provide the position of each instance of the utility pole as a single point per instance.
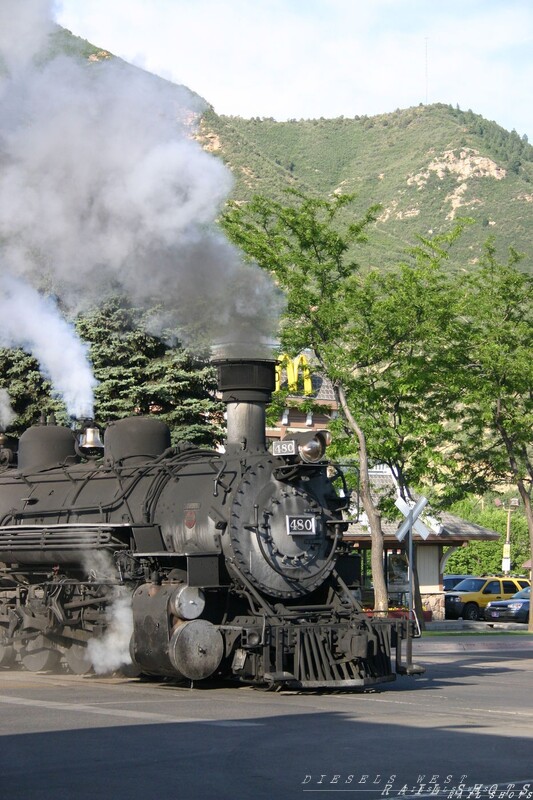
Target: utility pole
(512, 504)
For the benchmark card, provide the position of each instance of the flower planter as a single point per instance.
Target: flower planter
(400, 613)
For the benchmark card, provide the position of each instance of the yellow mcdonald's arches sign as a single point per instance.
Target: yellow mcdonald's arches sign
(293, 366)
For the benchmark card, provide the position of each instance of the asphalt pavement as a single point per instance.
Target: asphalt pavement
(462, 729)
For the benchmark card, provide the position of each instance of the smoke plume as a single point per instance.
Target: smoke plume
(103, 190)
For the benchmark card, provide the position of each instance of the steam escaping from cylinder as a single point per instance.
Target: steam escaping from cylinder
(103, 190)
(111, 651)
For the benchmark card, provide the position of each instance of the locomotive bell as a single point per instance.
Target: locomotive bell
(90, 443)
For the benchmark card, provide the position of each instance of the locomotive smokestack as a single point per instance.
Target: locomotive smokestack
(246, 385)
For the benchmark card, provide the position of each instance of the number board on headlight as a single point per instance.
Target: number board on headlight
(284, 448)
(301, 524)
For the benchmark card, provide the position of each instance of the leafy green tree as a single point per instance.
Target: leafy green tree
(383, 338)
(432, 368)
(400, 355)
(479, 558)
(493, 443)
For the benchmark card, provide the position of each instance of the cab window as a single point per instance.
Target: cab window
(492, 587)
(509, 587)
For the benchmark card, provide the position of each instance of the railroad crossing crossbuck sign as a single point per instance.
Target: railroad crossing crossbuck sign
(412, 521)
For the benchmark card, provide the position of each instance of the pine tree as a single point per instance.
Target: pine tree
(30, 394)
(139, 373)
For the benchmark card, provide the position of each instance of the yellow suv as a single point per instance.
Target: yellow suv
(472, 595)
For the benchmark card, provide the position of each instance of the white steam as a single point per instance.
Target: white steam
(7, 415)
(103, 190)
(33, 323)
(112, 650)
(24, 30)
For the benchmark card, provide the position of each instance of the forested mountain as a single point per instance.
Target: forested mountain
(425, 166)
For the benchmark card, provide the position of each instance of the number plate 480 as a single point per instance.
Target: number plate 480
(301, 525)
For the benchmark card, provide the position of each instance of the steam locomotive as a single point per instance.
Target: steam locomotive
(232, 562)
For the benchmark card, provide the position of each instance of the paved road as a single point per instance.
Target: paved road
(468, 721)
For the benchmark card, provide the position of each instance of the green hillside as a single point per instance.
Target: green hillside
(426, 166)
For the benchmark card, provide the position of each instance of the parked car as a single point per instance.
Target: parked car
(471, 596)
(516, 609)
(450, 581)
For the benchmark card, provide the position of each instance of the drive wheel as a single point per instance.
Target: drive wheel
(38, 655)
(77, 659)
(471, 612)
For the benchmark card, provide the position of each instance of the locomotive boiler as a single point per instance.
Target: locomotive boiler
(232, 563)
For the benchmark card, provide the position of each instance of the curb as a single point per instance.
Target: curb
(465, 625)
(511, 647)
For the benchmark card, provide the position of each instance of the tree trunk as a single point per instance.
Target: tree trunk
(381, 602)
(521, 486)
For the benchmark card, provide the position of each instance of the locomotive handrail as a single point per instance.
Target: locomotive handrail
(68, 525)
(121, 497)
(217, 481)
(342, 476)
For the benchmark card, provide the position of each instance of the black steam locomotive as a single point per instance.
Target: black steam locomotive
(233, 562)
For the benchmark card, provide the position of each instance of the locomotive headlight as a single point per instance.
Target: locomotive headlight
(315, 448)
(308, 447)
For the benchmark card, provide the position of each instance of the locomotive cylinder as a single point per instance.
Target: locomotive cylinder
(164, 644)
(187, 602)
